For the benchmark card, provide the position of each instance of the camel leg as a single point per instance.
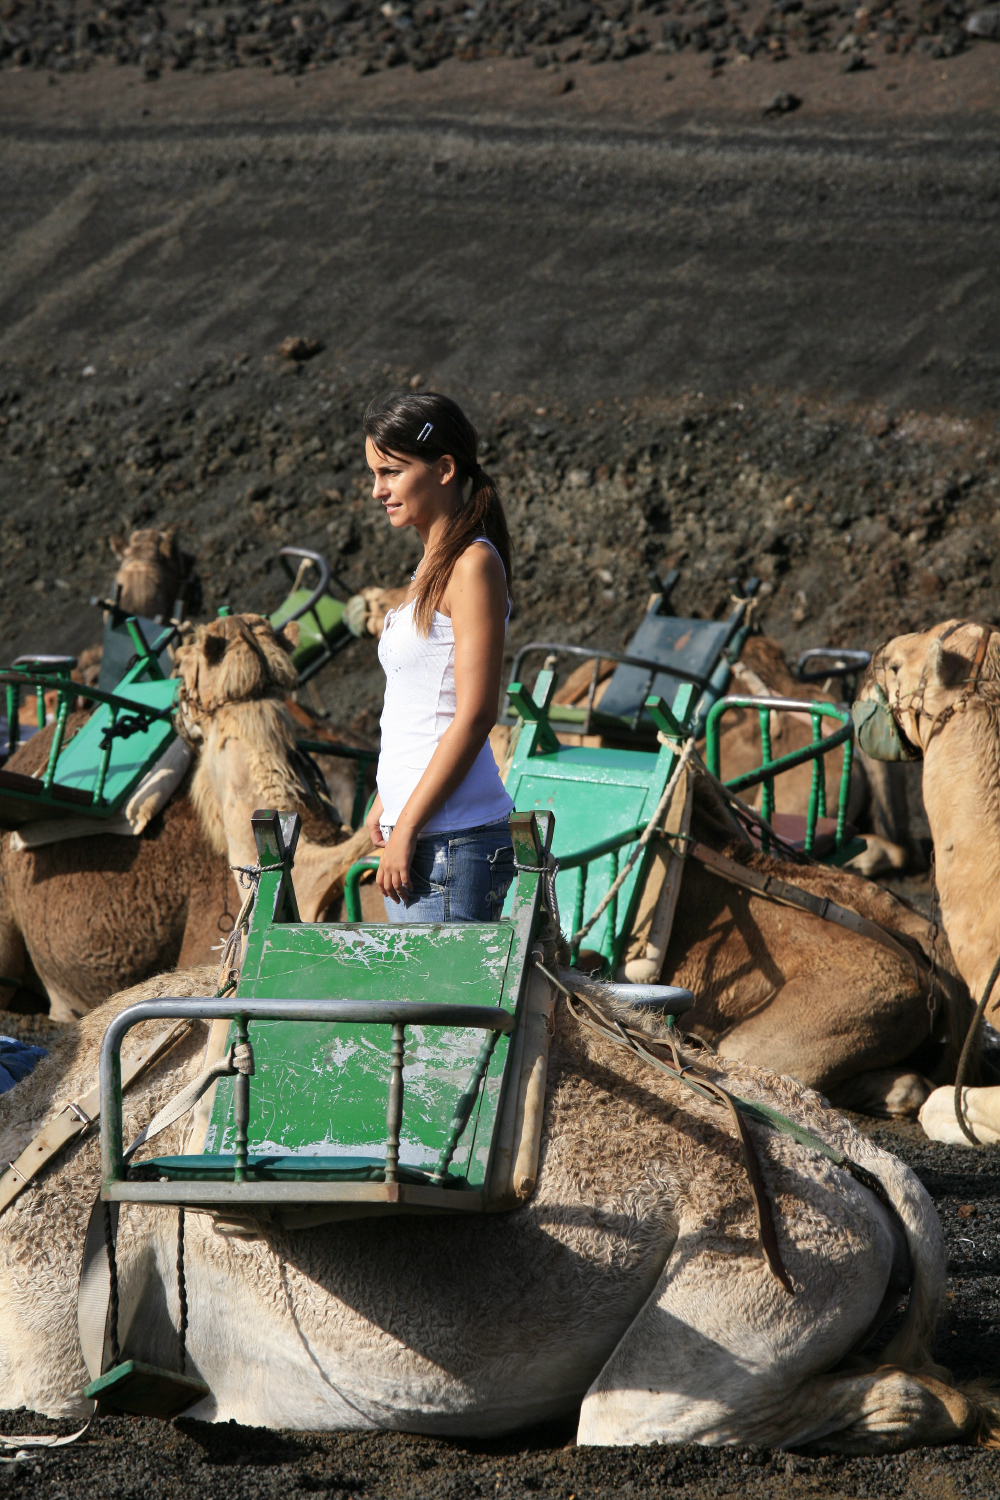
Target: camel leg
(823, 1028)
(981, 1108)
(13, 957)
(721, 1353)
(888, 1093)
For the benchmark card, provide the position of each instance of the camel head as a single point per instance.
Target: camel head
(365, 613)
(153, 572)
(234, 659)
(917, 683)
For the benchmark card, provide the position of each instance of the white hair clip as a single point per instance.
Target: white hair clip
(425, 432)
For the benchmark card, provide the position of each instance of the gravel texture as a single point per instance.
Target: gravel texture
(371, 35)
(819, 502)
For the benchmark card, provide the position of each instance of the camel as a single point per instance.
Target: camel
(81, 918)
(934, 696)
(630, 1288)
(877, 798)
(778, 987)
(154, 574)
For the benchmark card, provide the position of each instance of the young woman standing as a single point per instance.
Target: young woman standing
(440, 814)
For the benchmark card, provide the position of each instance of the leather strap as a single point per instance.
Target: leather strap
(817, 906)
(73, 1119)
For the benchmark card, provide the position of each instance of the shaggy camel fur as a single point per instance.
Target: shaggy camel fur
(952, 722)
(153, 572)
(234, 674)
(630, 1287)
(780, 988)
(82, 918)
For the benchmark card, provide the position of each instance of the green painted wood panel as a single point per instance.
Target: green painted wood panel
(320, 1089)
(594, 794)
(131, 758)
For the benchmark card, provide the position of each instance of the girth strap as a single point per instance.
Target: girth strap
(817, 906)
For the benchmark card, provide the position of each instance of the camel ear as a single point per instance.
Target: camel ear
(945, 668)
(167, 541)
(214, 647)
(288, 636)
(935, 663)
(117, 545)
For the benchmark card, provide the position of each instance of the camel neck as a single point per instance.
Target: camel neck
(961, 785)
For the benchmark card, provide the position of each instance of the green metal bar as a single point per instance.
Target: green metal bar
(40, 709)
(15, 675)
(13, 716)
(62, 714)
(845, 792)
(102, 770)
(595, 851)
(794, 758)
(524, 704)
(612, 915)
(663, 717)
(241, 1105)
(817, 729)
(394, 1105)
(767, 794)
(143, 649)
(581, 892)
(713, 753)
(352, 893)
(464, 1107)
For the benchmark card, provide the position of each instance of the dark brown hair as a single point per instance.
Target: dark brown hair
(428, 426)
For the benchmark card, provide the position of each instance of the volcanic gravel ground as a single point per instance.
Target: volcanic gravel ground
(370, 34)
(861, 525)
(127, 1457)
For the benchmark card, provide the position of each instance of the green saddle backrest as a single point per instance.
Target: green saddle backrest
(330, 623)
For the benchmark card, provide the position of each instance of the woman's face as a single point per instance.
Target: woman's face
(413, 493)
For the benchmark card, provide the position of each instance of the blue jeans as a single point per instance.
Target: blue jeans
(462, 876)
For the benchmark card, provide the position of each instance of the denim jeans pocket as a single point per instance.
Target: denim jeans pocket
(501, 864)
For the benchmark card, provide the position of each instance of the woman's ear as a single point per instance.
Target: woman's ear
(447, 469)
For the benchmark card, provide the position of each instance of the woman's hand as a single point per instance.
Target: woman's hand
(393, 874)
(372, 823)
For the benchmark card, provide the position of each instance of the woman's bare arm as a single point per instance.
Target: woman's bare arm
(476, 599)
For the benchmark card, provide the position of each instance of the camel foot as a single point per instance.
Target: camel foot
(981, 1108)
(888, 1094)
(880, 857)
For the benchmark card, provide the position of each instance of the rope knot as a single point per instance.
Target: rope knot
(243, 1058)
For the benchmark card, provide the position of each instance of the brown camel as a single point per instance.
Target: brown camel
(780, 988)
(81, 918)
(154, 572)
(877, 800)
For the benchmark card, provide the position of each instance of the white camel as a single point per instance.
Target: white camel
(631, 1286)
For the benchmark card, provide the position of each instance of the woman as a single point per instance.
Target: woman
(440, 814)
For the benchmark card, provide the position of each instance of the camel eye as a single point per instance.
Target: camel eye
(893, 666)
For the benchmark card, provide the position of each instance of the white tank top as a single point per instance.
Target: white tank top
(419, 706)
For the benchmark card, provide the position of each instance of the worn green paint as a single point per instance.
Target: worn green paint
(319, 1090)
(596, 795)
